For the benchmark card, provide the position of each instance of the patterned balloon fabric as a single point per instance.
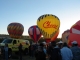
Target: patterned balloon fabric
(34, 33)
(15, 30)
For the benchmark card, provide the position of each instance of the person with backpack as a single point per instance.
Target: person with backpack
(53, 52)
(66, 52)
(75, 50)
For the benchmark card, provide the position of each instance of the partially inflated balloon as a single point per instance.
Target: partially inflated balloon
(48, 24)
(55, 36)
(34, 33)
(65, 36)
(15, 30)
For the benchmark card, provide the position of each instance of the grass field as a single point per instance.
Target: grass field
(24, 58)
(15, 57)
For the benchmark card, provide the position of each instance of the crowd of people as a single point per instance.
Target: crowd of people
(5, 54)
(55, 51)
(52, 51)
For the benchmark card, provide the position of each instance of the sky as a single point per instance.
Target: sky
(27, 12)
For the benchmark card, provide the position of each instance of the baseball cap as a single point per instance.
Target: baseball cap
(74, 42)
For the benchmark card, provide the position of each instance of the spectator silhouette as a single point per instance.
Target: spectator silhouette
(20, 51)
(6, 51)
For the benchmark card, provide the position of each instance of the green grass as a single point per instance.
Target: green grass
(26, 58)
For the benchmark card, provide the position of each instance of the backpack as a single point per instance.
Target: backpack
(55, 54)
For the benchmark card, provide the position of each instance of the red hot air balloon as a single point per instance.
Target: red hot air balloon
(78, 23)
(75, 33)
(34, 33)
(15, 30)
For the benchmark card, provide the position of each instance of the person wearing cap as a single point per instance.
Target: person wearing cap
(75, 50)
(60, 44)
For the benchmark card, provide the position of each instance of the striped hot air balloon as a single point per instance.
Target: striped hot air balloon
(34, 33)
(75, 33)
(15, 30)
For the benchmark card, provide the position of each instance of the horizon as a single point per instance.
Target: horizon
(27, 12)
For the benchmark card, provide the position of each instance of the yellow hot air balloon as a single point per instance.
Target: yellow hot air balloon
(48, 24)
(55, 36)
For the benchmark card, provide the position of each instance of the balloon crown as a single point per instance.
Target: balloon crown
(45, 15)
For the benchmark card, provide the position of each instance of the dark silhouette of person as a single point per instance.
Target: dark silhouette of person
(53, 52)
(20, 51)
(6, 51)
(40, 54)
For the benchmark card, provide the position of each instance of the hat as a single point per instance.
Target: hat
(60, 42)
(44, 43)
(74, 42)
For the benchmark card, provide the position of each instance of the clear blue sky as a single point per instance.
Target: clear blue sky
(27, 12)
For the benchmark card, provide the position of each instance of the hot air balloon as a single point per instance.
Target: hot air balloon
(15, 30)
(74, 27)
(48, 24)
(78, 22)
(75, 33)
(34, 33)
(65, 36)
(55, 36)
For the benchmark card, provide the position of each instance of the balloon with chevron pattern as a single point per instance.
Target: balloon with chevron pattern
(15, 30)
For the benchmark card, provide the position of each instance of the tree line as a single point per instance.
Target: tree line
(41, 40)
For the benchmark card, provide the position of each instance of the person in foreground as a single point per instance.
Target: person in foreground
(75, 50)
(66, 52)
(40, 54)
(53, 52)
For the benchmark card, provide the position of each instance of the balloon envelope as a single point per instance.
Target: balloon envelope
(75, 33)
(15, 30)
(48, 24)
(65, 36)
(34, 33)
(75, 29)
(55, 36)
(78, 23)
(74, 37)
